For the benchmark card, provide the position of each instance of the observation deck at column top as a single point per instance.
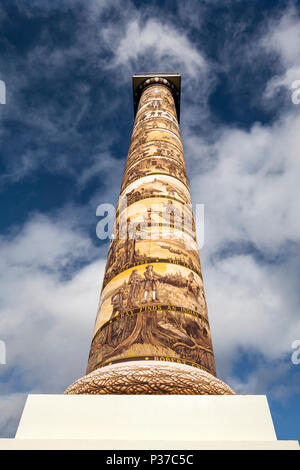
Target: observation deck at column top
(138, 87)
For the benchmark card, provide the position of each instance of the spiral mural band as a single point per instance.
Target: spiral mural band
(153, 302)
(152, 306)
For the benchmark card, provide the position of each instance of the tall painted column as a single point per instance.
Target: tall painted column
(152, 333)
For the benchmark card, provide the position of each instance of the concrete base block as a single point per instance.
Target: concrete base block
(155, 422)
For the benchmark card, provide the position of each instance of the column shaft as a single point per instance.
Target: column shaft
(152, 308)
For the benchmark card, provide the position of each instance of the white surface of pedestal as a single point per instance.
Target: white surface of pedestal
(146, 422)
(146, 417)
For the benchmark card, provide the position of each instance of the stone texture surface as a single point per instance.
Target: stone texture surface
(151, 378)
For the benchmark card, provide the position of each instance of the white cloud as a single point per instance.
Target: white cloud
(48, 305)
(43, 242)
(251, 309)
(276, 376)
(250, 192)
(283, 38)
(166, 48)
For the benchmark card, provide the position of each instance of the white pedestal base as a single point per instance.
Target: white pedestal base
(154, 422)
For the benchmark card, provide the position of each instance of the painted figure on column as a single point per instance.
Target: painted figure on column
(150, 283)
(152, 332)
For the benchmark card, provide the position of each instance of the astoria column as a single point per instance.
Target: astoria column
(152, 334)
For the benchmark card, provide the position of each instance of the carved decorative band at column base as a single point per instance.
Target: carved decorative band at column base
(149, 378)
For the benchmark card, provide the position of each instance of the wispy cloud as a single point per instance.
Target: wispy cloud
(153, 44)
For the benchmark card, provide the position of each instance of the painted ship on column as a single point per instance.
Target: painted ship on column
(152, 334)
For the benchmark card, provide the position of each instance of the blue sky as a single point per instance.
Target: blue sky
(64, 136)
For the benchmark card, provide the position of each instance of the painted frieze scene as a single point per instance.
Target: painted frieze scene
(126, 253)
(153, 186)
(153, 310)
(155, 148)
(141, 217)
(154, 165)
(157, 283)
